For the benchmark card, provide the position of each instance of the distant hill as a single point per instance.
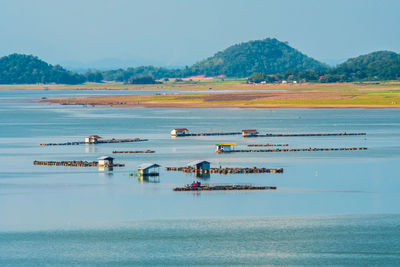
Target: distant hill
(264, 57)
(28, 69)
(269, 56)
(380, 65)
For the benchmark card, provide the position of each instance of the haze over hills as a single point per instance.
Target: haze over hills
(105, 64)
(268, 56)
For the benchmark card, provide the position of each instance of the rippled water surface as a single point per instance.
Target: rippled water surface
(327, 208)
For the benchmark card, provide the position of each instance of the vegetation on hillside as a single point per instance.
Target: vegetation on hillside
(142, 80)
(269, 56)
(375, 66)
(94, 76)
(121, 75)
(380, 65)
(267, 60)
(24, 69)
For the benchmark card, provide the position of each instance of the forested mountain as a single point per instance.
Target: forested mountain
(242, 60)
(380, 65)
(19, 69)
(269, 56)
(269, 59)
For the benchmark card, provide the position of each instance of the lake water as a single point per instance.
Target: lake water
(337, 207)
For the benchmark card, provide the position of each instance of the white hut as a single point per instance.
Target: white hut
(105, 161)
(179, 132)
(93, 139)
(225, 147)
(249, 133)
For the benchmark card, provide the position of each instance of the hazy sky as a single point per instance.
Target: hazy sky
(178, 32)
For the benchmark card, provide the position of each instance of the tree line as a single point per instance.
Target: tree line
(28, 69)
(375, 66)
(19, 69)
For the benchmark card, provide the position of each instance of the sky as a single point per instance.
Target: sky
(104, 33)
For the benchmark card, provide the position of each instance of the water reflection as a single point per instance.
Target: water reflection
(90, 148)
(107, 174)
(148, 179)
(203, 176)
(106, 169)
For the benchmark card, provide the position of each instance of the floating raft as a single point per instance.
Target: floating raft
(252, 145)
(208, 134)
(305, 134)
(293, 149)
(267, 135)
(98, 142)
(121, 140)
(75, 163)
(133, 151)
(63, 144)
(190, 187)
(225, 170)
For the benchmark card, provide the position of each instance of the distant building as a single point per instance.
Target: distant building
(93, 139)
(105, 161)
(200, 165)
(225, 147)
(284, 82)
(179, 132)
(249, 133)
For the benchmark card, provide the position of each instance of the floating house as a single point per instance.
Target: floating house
(249, 133)
(93, 139)
(105, 161)
(179, 132)
(225, 147)
(149, 169)
(200, 165)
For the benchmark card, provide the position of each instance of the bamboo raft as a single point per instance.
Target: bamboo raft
(270, 135)
(305, 134)
(293, 149)
(133, 151)
(98, 142)
(63, 144)
(225, 170)
(75, 163)
(252, 145)
(121, 140)
(208, 134)
(190, 187)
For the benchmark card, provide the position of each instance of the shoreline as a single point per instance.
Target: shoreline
(93, 103)
(228, 84)
(232, 94)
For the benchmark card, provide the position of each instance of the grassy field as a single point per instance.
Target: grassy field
(227, 84)
(241, 94)
(348, 95)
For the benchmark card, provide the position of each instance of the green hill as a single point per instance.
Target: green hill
(28, 69)
(380, 65)
(269, 56)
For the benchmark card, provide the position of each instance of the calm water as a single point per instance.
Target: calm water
(327, 209)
